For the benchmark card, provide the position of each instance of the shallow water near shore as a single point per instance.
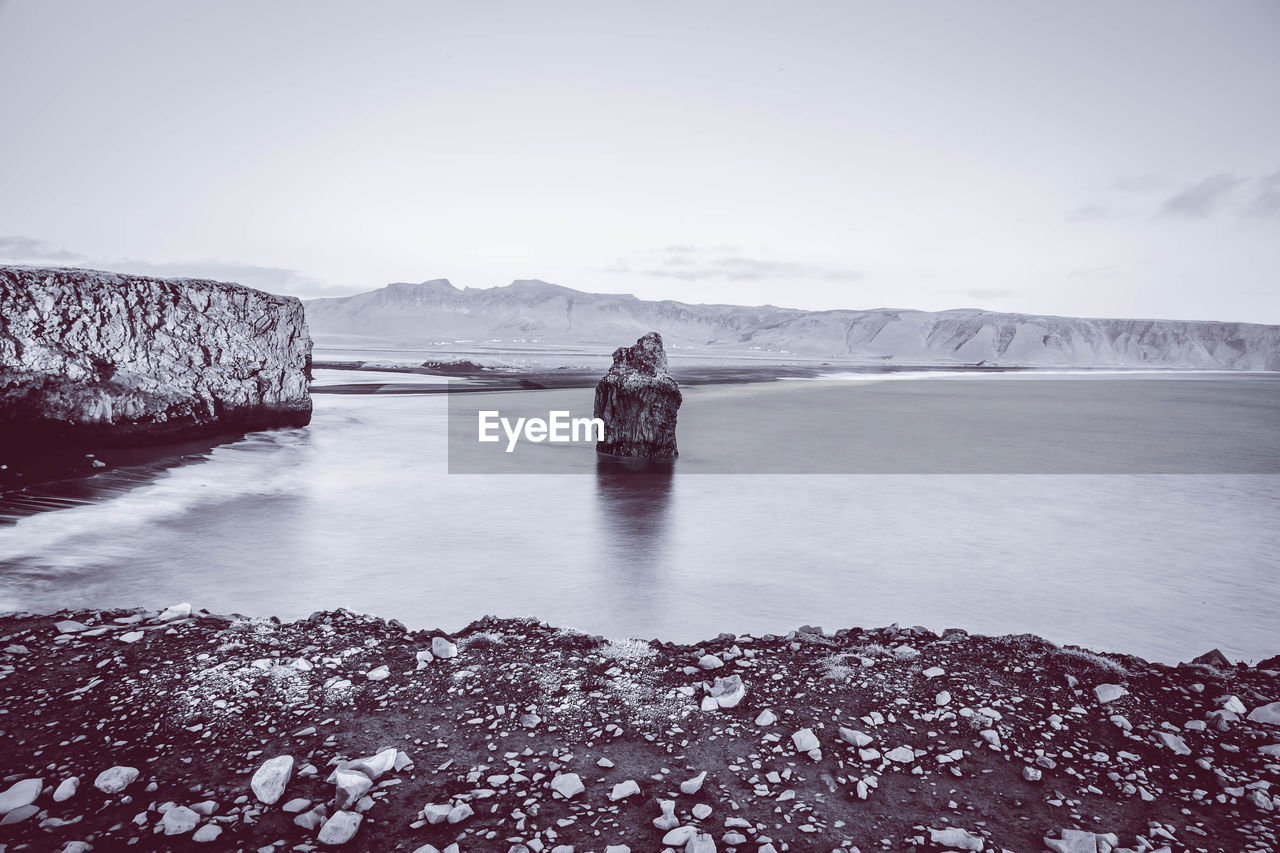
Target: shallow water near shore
(359, 510)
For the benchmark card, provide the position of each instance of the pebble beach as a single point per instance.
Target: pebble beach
(183, 729)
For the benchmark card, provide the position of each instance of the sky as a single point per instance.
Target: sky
(1085, 158)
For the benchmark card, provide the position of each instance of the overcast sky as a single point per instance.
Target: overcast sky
(1082, 158)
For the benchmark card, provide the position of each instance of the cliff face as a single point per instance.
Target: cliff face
(89, 356)
(638, 401)
(436, 311)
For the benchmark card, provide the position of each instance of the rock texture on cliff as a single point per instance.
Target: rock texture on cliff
(638, 401)
(88, 356)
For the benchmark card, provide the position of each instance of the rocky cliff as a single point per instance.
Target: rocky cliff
(96, 357)
(436, 312)
(638, 401)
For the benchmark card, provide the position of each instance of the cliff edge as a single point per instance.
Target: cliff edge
(97, 357)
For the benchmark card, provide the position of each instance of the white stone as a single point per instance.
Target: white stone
(934, 672)
(351, 785)
(434, 813)
(992, 737)
(67, 789)
(710, 662)
(442, 648)
(208, 832)
(1109, 692)
(854, 737)
(622, 790)
(956, 838)
(1174, 742)
(943, 698)
(175, 611)
(702, 811)
(179, 820)
(567, 785)
(728, 692)
(1078, 841)
(375, 765)
(805, 740)
(378, 673)
(269, 780)
(20, 794)
(340, 828)
(694, 785)
(113, 780)
(1266, 714)
(766, 718)
(131, 637)
(901, 754)
(679, 836)
(70, 626)
(460, 812)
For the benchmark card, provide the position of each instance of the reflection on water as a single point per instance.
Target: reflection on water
(633, 500)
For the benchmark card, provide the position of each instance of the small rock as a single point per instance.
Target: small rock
(622, 790)
(956, 838)
(442, 648)
(67, 789)
(208, 832)
(179, 820)
(378, 673)
(113, 780)
(694, 785)
(351, 785)
(567, 785)
(20, 794)
(1266, 714)
(805, 740)
(340, 828)
(1109, 692)
(269, 780)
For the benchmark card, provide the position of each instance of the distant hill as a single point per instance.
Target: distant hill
(436, 312)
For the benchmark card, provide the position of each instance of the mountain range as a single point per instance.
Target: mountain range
(435, 313)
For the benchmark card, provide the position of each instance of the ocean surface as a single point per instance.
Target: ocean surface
(360, 510)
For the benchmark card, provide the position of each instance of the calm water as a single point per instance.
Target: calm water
(359, 510)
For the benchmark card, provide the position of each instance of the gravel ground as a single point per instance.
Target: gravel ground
(191, 730)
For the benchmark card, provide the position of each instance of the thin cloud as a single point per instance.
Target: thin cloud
(984, 293)
(1141, 183)
(691, 263)
(19, 248)
(1266, 203)
(751, 269)
(1202, 199)
(1090, 213)
(29, 250)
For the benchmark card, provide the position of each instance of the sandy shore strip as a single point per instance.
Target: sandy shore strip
(164, 730)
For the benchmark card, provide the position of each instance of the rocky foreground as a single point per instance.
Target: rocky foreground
(185, 730)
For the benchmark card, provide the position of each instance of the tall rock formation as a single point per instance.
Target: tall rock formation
(96, 357)
(638, 401)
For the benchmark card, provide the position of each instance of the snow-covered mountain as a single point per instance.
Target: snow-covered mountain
(436, 312)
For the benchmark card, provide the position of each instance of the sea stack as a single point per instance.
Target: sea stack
(638, 401)
(91, 357)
